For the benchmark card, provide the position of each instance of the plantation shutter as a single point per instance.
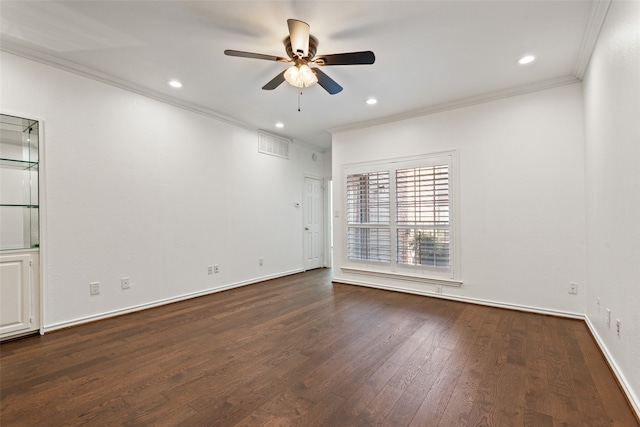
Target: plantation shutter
(368, 217)
(422, 216)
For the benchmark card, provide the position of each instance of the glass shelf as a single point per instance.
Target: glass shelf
(19, 205)
(18, 164)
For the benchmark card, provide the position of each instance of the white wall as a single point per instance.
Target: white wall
(522, 221)
(139, 188)
(612, 116)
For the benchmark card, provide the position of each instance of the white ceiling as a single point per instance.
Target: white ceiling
(428, 53)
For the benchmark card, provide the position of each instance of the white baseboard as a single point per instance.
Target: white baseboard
(132, 309)
(634, 401)
(498, 304)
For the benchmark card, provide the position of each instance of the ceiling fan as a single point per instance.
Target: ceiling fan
(301, 48)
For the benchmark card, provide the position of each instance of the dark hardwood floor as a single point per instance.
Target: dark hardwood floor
(302, 351)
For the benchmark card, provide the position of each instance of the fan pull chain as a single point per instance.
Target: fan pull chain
(299, 94)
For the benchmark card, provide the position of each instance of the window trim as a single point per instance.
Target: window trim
(449, 276)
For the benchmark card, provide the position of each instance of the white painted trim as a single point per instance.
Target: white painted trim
(596, 20)
(113, 313)
(72, 67)
(634, 400)
(328, 226)
(308, 145)
(42, 222)
(498, 304)
(461, 103)
(19, 251)
(417, 158)
(404, 276)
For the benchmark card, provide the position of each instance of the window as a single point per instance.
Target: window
(399, 216)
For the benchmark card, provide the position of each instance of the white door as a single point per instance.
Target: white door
(15, 295)
(313, 209)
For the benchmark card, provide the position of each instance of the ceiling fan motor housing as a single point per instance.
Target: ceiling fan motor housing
(313, 47)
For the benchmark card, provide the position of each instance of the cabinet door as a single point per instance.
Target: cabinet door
(15, 294)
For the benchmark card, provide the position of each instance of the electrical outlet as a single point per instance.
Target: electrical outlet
(438, 289)
(210, 270)
(260, 262)
(216, 269)
(94, 288)
(598, 304)
(573, 288)
(125, 283)
(608, 317)
(618, 324)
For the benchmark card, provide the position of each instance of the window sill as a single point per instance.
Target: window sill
(405, 276)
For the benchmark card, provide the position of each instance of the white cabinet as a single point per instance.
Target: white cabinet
(19, 292)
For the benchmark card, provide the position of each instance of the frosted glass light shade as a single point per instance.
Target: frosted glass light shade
(301, 76)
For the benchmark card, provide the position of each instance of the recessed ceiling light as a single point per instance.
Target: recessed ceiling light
(527, 59)
(175, 83)
(372, 101)
(279, 125)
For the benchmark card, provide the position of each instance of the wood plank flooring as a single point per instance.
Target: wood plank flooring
(302, 351)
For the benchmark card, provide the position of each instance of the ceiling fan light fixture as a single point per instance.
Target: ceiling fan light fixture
(300, 76)
(307, 76)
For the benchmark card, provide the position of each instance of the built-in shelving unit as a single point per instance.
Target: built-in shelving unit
(19, 168)
(19, 227)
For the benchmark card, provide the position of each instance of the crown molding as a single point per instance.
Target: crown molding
(63, 64)
(596, 20)
(44, 58)
(461, 103)
(309, 146)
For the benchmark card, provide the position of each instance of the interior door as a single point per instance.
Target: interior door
(313, 211)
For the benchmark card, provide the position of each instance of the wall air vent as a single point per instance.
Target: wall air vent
(273, 145)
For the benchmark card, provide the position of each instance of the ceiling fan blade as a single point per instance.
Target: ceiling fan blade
(275, 82)
(299, 36)
(327, 82)
(242, 54)
(350, 58)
